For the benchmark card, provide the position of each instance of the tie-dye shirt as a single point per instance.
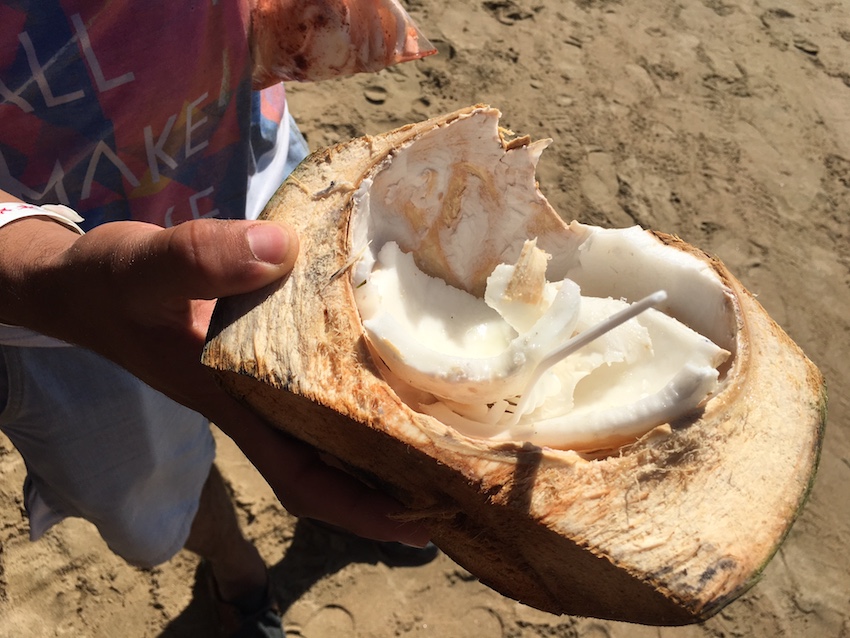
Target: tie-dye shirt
(131, 110)
(136, 110)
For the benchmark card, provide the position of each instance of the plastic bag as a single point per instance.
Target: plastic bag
(310, 40)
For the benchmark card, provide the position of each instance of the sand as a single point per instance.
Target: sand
(726, 122)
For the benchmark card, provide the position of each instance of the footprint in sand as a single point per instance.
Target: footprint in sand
(375, 94)
(480, 622)
(331, 620)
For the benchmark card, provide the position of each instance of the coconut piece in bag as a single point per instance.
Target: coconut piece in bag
(311, 40)
(665, 529)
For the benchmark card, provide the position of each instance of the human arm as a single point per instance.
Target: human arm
(142, 296)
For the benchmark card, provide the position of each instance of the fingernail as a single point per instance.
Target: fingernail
(269, 242)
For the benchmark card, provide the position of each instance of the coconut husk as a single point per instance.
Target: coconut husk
(664, 531)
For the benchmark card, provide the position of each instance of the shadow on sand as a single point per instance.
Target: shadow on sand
(315, 552)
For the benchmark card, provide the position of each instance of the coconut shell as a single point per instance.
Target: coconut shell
(665, 531)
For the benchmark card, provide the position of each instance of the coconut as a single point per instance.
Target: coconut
(667, 515)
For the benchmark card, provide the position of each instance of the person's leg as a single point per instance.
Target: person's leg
(102, 446)
(233, 568)
(238, 569)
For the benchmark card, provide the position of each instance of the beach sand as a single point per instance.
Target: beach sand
(726, 122)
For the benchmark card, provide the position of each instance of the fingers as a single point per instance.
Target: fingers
(162, 276)
(200, 259)
(335, 497)
(220, 258)
(307, 487)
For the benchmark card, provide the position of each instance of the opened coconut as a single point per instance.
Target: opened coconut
(599, 422)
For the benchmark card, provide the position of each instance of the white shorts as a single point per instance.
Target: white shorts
(101, 445)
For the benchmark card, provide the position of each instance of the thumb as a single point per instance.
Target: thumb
(208, 258)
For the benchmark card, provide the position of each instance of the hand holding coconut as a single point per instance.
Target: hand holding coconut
(113, 291)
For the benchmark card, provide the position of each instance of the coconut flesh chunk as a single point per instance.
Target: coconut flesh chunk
(465, 349)
(482, 360)
(664, 527)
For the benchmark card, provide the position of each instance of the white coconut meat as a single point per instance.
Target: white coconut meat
(477, 348)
